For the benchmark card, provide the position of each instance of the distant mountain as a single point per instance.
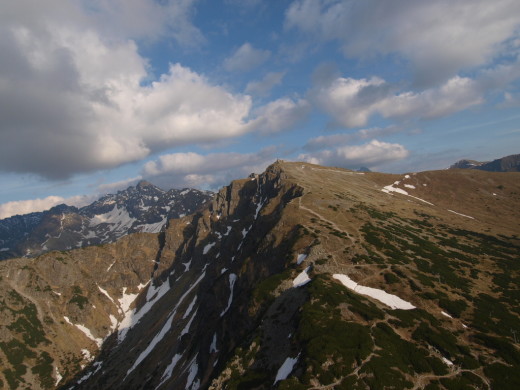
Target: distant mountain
(143, 208)
(504, 164)
(302, 277)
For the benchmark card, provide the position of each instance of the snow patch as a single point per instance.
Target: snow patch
(187, 266)
(86, 355)
(96, 366)
(232, 280)
(169, 370)
(388, 299)
(462, 215)
(410, 186)
(390, 188)
(302, 279)
(208, 247)
(89, 334)
(106, 294)
(86, 331)
(213, 346)
(286, 368)
(58, 376)
(188, 325)
(259, 207)
(190, 308)
(447, 361)
(113, 321)
(191, 383)
(158, 337)
(153, 227)
(119, 218)
(301, 258)
(446, 314)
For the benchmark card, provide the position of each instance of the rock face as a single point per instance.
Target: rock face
(143, 208)
(504, 164)
(302, 277)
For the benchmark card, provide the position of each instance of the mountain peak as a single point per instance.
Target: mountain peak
(143, 184)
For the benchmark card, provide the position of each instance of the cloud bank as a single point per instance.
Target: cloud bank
(77, 96)
(210, 171)
(21, 207)
(438, 38)
(372, 154)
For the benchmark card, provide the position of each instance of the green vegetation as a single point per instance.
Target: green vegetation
(16, 353)
(455, 307)
(43, 369)
(264, 291)
(78, 299)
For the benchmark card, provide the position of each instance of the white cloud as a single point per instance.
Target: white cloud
(21, 207)
(327, 141)
(74, 100)
(279, 115)
(372, 154)
(353, 101)
(246, 58)
(440, 37)
(110, 188)
(206, 171)
(264, 86)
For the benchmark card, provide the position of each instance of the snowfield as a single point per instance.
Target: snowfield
(390, 300)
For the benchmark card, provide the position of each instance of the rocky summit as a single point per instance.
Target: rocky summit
(303, 277)
(143, 208)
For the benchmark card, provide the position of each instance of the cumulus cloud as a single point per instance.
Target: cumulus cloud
(439, 38)
(77, 98)
(353, 101)
(279, 115)
(145, 19)
(21, 207)
(209, 171)
(246, 58)
(264, 86)
(372, 154)
(327, 141)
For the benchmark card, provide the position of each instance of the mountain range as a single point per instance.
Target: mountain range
(505, 164)
(140, 208)
(302, 277)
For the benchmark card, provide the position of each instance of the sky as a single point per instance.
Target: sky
(96, 95)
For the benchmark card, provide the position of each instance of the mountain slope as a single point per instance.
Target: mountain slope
(143, 208)
(303, 277)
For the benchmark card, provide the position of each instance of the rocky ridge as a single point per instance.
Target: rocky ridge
(303, 277)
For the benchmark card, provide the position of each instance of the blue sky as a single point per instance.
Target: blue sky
(98, 94)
